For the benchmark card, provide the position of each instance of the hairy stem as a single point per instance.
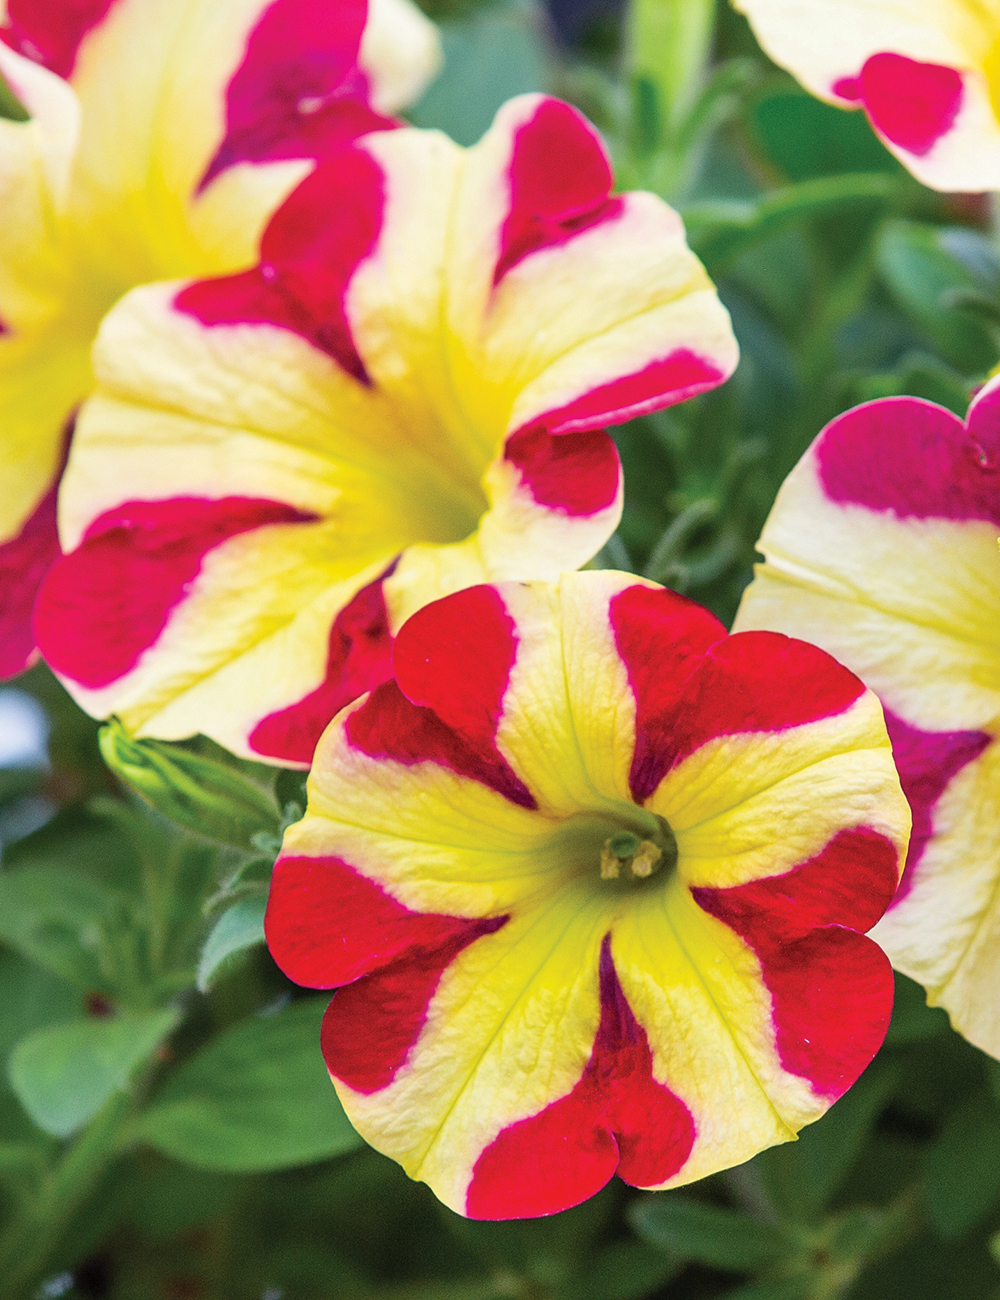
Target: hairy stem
(28, 1241)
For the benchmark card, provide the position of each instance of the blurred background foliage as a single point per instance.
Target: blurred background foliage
(167, 1131)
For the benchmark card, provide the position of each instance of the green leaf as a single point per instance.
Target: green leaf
(720, 231)
(789, 1288)
(257, 1097)
(963, 1169)
(22, 1167)
(979, 255)
(166, 1199)
(16, 782)
(919, 374)
(236, 930)
(912, 1019)
(191, 789)
(79, 841)
(290, 787)
(64, 922)
(710, 1235)
(807, 138)
(31, 997)
(625, 1270)
(924, 277)
(802, 1177)
(64, 1075)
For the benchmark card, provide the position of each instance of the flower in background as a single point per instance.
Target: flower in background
(927, 73)
(406, 397)
(161, 136)
(590, 877)
(882, 548)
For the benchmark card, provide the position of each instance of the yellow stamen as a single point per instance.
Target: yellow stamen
(610, 868)
(647, 855)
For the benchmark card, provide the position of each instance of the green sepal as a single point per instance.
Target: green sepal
(237, 930)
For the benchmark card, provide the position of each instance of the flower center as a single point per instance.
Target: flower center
(615, 849)
(631, 856)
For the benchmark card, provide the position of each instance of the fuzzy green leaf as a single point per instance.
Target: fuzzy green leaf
(239, 928)
(258, 1097)
(63, 1075)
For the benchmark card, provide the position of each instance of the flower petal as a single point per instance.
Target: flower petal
(41, 381)
(364, 374)
(925, 72)
(400, 54)
(161, 138)
(24, 561)
(882, 548)
(519, 1025)
(893, 569)
(570, 1149)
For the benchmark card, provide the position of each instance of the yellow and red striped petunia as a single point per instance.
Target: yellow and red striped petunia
(161, 137)
(882, 548)
(591, 879)
(927, 73)
(406, 397)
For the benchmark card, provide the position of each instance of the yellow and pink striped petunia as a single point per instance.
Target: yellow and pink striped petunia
(927, 73)
(406, 397)
(162, 135)
(592, 879)
(882, 548)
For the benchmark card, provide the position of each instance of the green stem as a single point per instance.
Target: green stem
(669, 43)
(28, 1242)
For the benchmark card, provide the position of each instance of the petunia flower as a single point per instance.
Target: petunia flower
(408, 396)
(882, 548)
(927, 73)
(161, 136)
(591, 879)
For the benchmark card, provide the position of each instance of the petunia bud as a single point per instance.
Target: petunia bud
(196, 792)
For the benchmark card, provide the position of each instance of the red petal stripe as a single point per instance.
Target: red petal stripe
(298, 92)
(831, 988)
(560, 184)
(912, 104)
(693, 684)
(24, 562)
(388, 726)
(576, 475)
(51, 32)
(313, 245)
(680, 375)
(106, 602)
(916, 459)
(359, 658)
(372, 1024)
(327, 924)
(455, 657)
(927, 761)
(661, 638)
(616, 1119)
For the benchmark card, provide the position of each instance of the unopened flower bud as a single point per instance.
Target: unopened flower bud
(199, 793)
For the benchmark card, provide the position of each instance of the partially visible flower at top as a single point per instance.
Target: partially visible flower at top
(882, 548)
(408, 396)
(161, 137)
(927, 72)
(590, 877)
